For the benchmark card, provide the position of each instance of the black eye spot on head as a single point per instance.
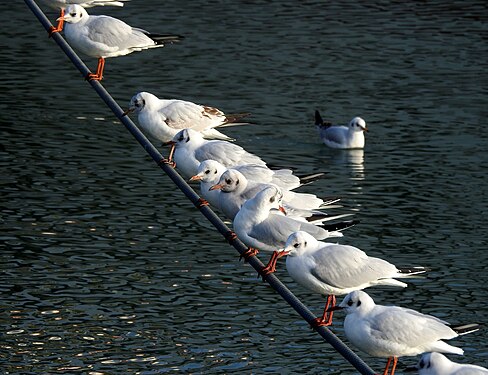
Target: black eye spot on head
(237, 182)
(188, 140)
(305, 243)
(359, 303)
(215, 172)
(81, 15)
(272, 199)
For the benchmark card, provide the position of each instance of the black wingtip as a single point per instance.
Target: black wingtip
(318, 119)
(413, 270)
(165, 38)
(340, 226)
(466, 328)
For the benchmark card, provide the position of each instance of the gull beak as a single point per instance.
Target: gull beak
(64, 18)
(195, 178)
(282, 210)
(365, 129)
(334, 308)
(215, 187)
(127, 111)
(169, 143)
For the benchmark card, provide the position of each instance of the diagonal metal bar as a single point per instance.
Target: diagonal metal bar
(223, 229)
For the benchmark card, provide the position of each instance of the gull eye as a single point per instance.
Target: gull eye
(72, 14)
(349, 303)
(181, 138)
(297, 245)
(207, 171)
(422, 364)
(228, 181)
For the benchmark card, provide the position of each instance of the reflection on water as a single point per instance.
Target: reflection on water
(107, 268)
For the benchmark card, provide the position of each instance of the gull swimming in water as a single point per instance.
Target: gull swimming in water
(334, 269)
(105, 36)
(163, 118)
(393, 331)
(339, 136)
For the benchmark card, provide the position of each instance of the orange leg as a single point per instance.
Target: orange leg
(395, 360)
(171, 152)
(271, 266)
(326, 319)
(60, 25)
(99, 74)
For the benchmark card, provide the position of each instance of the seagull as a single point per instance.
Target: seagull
(339, 136)
(438, 364)
(163, 118)
(392, 331)
(333, 269)
(62, 4)
(210, 171)
(259, 228)
(236, 189)
(104, 36)
(190, 149)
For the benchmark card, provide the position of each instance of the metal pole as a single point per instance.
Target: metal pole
(275, 283)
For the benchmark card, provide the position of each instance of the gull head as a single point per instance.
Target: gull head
(357, 302)
(74, 13)
(231, 181)
(299, 242)
(270, 198)
(357, 124)
(208, 171)
(433, 364)
(185, 136)
(140, 101)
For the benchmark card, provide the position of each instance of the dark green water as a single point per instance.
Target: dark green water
(108, 269)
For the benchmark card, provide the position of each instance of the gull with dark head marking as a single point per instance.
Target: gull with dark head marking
(105, 36)
(438, 364)
(259, 228)
(62, 4)
(393, 331)
(190, 149)
(339, 136)
(163, 118)
(334, 269)
(236, 189)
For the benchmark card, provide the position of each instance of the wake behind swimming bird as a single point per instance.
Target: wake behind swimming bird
(339, 136)
(393, 331)
(105, 36)
(163, 118)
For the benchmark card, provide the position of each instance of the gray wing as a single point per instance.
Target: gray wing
(336, 134)
(228, 154)
(408, 326)
(345, 266)
(115, 33)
